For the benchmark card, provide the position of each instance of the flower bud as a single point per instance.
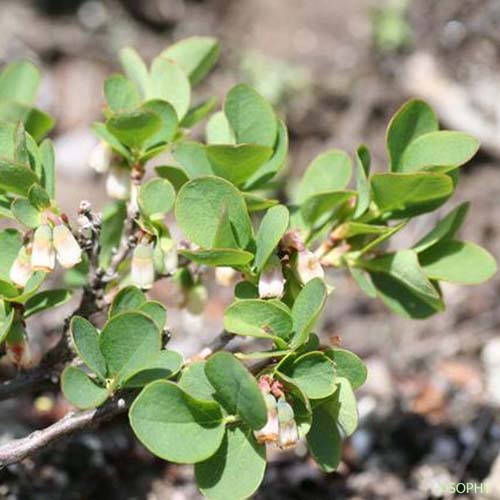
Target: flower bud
(67, 248)
(288, 431)
(224, 276)
(271, 281)
(17, 347)
(118, 183)
(20, 272)
(196, 299)
(308, 266)
(43, 255)
(269, 433)
(170, 258)
(143, 269)
(100, 158)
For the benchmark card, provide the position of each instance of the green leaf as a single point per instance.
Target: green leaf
(251, 117)
(271, 229)
(133, 128)
(175, 175)
(121, 94)
(318, 204)
(169, 125)
(38, 197)
(129, 298)
(201, 203)
(314, 373)
(156, 311)
(128, 341)
(226, 257)
(48, 299)
(103, 133)
(237, 163)
(256, 203)
(195, 55)
(218, 130)
(412, 120)
(16, 178)
(10, 244)
(435, 149)
(198, 112)
(135, 69)
(170, 83)
(113, 217)
(6, 320)
(25, 213)
(86, 341)
(274, 164)
(36, 122)
(195, 382)
(19, 81)
(236, 389)
(306, 309)
(156, 198)
(236, 470)
(324, 441)
(80, 390)
(348, 365)
(445, 229)
(329, 171)
(165, 365)
(343, 406)
(364, 281)
(258, 318)
(410, 194)
(174, 426)
(458, 262)
(192, 157)
(363, 160)
(47, 157)
(30, 289)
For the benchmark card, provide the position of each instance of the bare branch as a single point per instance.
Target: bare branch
(18, 449)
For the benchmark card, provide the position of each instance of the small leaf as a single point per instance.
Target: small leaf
(364, 281)
(169, 83)
(218, 130)
(435, 149)
(103, 133)
(10, 244)
(314, 373)
(256, 203)
(121, 94)
(200, 204)
(445, 229)
(412, 120)
(113, 217)
(198, 112)
(324, 441)
(192, 157)
(16, 178)
(348, 365)
(26, 213)
(236, 470)
(250, 116)
(175, 175)
(80, 390)
(226, 257)
(19, 81)
(165, 365)
(86, 341)
(6, 321)
(196, 55)
(133, 128)
(458, 262)
(343, 406)
(271, 230)
(306, 309)
(195, 382)
(258, 318)
(174, 426)
(135, 69)
(156, 311)
(169, 124)
(363, 160)
(237, 163)
(128, 341)
(156, 198)
(319, 204)
(236, 389)
(329, 171)
(129, 298)
(48, 299)
(38, 197)
(47, 157)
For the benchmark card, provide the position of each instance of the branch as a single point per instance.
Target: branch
(19, 449)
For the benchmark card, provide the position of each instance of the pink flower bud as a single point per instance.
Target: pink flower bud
(20, 272)
(143, 270)
(269, 433)
(308, 266)
(100, 158)
(67, 248)
(271, 281)
(288, 431)
(43, 255)
(17, 347)
(118, 183)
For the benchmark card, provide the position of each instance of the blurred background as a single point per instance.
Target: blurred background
(336, 71)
